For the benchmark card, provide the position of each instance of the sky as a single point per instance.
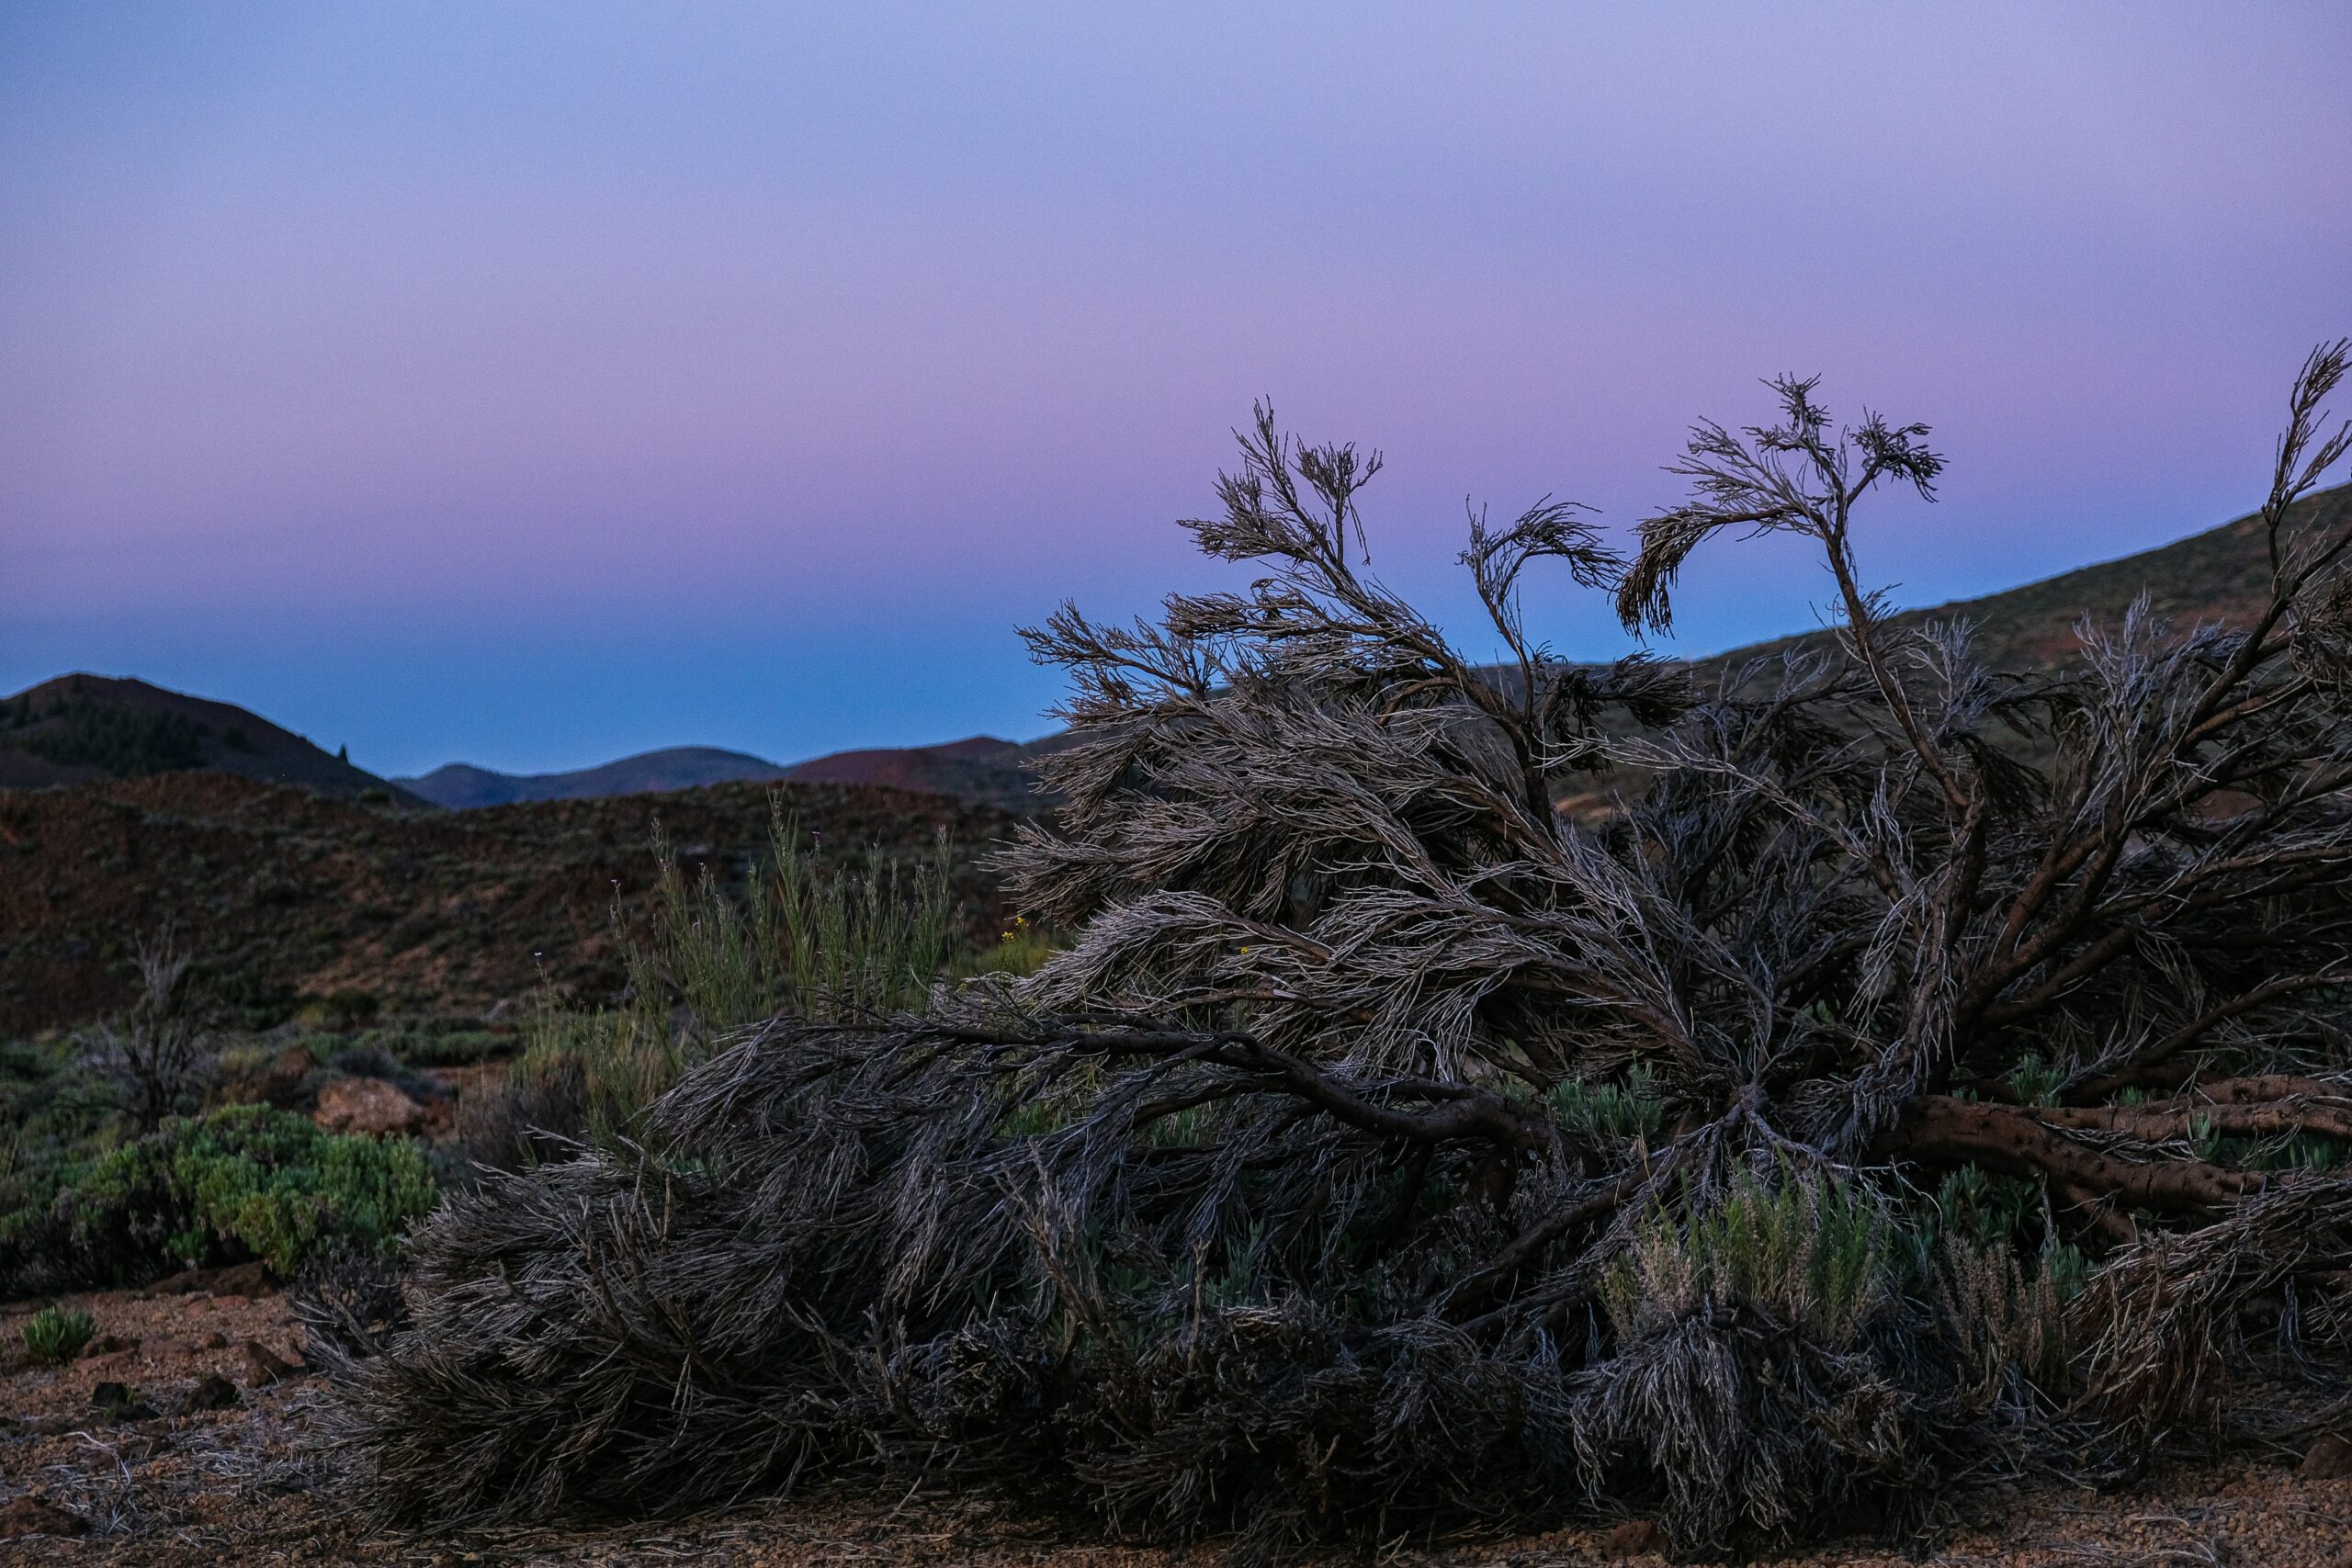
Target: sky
(533, 384)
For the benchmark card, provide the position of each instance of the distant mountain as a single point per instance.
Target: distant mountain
(461, 787)
(81, 728)
(981, 771)
(2220, 574)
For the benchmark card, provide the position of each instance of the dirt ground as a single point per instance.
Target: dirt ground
(167, 1481)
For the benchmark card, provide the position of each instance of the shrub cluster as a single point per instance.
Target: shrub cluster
(56, 1334)
(1856, 1105)
(799, 939)
(242, 1182)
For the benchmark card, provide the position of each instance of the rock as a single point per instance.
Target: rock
(216, 1340)
(232, 1280)
(115, 1402)
(365, 1105)
(1632, 1538)
(34, 1516)
(264, 1365)
(281, 1083)
(112, 1361)
(212, 1392)
(107, 1345)
(2330, 1459)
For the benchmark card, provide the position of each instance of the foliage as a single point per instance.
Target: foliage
(55, 1335)
(1810, 1252)
(1860, 1102)
(156, 1053)
(244, 1181)
(348, 1299)
(801, 940)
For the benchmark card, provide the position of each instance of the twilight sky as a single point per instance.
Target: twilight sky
(531, 384)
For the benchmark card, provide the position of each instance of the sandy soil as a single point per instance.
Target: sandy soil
(165, 1483)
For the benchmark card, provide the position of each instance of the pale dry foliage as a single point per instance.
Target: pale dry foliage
(1858, 1110)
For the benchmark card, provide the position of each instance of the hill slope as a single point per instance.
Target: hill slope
(78, 728)
(461, 787)
(283, 894)
(2222, 574)
(981, 770)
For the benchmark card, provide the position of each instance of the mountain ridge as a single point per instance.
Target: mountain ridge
(461, 787)
(2216, 574)
(84, 728)
(2219, 573)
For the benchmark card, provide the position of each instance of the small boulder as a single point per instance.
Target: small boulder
(2330, 1459)
(1632, 1538)
(30, 1516)
(230, 1279)
(365, 1105)
(264, 1365)
(281, 1083)
(212, 1392)
(116, 1402)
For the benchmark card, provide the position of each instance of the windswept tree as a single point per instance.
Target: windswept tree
(1928, 1071)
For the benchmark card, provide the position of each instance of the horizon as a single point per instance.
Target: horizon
(591, 765)
(535, 388)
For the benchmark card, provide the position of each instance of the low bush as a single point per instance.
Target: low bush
(241, 1182)
(445, 1048)
(56, 1334)
(1865, 1101)
(800, 940)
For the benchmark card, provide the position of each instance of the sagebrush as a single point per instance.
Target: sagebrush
(1927, 1072)
(55, 1335)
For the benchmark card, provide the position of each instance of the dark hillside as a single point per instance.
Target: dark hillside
(285, 894)
(461, 787)
(981, 769)
(2222, 574)
(77, 729)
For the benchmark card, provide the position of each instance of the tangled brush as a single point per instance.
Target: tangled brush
(1926, 1072)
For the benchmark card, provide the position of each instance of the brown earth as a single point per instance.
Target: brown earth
(250, 1483)
(285, 894)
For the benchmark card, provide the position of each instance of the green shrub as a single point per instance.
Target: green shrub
(345, 1009)
(56, 1336)
(1810, 1251)
(1607, 1110)
(243, 1181)
(800, 939)
(446, 1048)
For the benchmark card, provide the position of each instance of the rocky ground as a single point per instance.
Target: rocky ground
(186, 1435)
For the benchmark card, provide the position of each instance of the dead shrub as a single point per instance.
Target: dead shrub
(1925, 1071)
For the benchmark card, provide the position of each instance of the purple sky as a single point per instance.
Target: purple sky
(532, 384)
